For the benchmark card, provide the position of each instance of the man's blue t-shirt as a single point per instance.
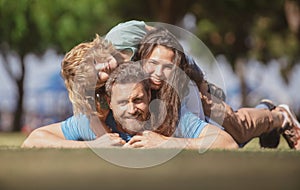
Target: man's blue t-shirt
(190, 126)
(78, 127)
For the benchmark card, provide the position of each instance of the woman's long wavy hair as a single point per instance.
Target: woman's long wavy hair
(175, 88)
(80, 76)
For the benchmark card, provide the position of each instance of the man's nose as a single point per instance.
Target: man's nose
(131, 109)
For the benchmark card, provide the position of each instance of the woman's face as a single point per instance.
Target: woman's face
(159, 65)
(105, 68)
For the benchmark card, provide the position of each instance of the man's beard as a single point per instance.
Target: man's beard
(135, 124)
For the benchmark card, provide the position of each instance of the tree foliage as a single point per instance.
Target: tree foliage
(32, 26)
(247, 29)
(237, 29)
(242, 30)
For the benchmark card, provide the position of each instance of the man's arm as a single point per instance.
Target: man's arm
(51, 136)
(211, 137)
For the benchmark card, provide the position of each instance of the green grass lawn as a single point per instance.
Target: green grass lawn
(248, 168)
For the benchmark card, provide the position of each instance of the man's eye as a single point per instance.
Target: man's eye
(138, 100)
(122, 103)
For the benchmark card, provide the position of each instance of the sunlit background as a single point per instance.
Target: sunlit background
(256, 45)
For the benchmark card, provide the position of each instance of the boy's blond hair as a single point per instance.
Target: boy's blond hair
(80, 76)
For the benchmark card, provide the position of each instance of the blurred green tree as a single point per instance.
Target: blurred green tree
(32, 26)
(167, 11)
(242, 30)
(238, 29)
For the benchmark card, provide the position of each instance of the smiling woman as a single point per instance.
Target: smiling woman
(159, 65)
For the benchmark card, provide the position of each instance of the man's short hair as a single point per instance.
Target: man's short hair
(128, 72)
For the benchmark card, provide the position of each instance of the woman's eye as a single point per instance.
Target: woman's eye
(152, 62)
(169, 67)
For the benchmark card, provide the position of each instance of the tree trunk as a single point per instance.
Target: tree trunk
(240, 70)
(161, 10)
(18, 114)
(292, 14)
(169, 11)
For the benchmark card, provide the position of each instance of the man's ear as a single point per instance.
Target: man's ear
(149, 95)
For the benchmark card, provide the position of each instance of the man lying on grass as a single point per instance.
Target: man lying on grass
(128, 89)
(129, 94)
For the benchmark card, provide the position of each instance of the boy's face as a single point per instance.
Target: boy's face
(130, 106)
(104, 69)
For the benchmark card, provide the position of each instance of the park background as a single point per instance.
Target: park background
(256, 44)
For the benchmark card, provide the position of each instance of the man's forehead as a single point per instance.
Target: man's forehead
(127, 89)
(123, 86)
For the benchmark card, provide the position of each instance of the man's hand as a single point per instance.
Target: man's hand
(107, 140)
(147, 139)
